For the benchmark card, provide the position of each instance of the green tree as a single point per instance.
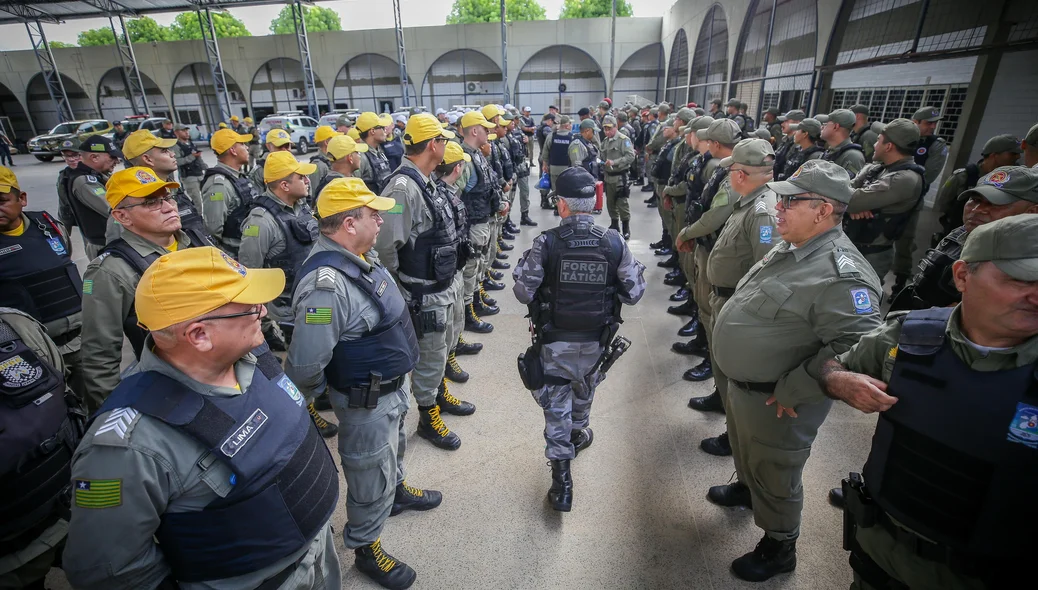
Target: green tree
(185, 26)
(489, 11)
(146, 30)
(317, 18)
(95, 37)
(60, 44)
(594, 8)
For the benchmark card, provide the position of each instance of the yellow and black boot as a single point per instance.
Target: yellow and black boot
(411, 498)
(464, 347)
(450, 404)
(453, 370)
(326, 428)
(472, 321)
(383, 568)
(432, 429)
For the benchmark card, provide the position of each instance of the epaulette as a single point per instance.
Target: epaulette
(325, 278)
(116, 428)
(845, 265)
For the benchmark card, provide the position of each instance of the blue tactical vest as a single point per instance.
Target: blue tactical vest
(300, 232)
(379, 169)
(394, 152)
(922, 152)
(478, 200)
(956, 459)
(285, 483)
(558, 152)
(434, 254)
(37, 274)
(390, 348)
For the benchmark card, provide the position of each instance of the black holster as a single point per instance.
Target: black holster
(366, 397)
(531, 370)
(415, 310)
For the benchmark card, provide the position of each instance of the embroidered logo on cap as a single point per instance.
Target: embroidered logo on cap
(234, 264)
(145, 177)
(997, 179)
(796, 174)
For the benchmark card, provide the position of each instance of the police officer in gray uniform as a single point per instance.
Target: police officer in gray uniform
(575, 313)
(85, 187)
(836, 131)
(354, 339)
(189, 164)
(202, 469)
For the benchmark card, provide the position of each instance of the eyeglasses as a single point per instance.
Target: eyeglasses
(255, 310)
(152, 203)
(442, 139)
(786, 200)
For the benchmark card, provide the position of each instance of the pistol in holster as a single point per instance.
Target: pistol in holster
(366, 396)
(859, 511)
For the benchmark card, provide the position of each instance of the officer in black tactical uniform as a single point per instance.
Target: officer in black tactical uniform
(118, 134)
(227, 193)
(190, 165)
(41, 422)
(374, 168)
(85, 187)
(574, 279)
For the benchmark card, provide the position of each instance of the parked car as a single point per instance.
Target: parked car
(45, 147)
(135, 122)
(299, 126)
(330, 118)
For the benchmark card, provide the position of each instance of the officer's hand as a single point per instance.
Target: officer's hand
(780, 409)
(609, 162)
(685, 245)
(668, 203)
(862, 215)
(859, 391)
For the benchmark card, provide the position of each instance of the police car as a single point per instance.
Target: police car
(300, 127)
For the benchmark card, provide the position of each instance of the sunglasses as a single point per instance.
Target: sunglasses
(786, 200)
(152, 203)
(255, 310)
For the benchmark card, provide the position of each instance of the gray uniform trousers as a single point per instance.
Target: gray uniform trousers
(566, 407)
(193, 188)
(434, 346)
(770, 454)
(456, 321)
(720, 380)
(371, 447)
(475, 267)
(523, 183)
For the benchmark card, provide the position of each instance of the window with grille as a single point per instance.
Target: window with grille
(887, 104)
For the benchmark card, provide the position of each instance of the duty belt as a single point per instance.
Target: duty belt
(724, 291)
(866, 250)
(63, 339)
(768, 387)
(385, 387)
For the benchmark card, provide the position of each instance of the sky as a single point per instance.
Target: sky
(414, 13)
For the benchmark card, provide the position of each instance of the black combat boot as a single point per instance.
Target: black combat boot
(707, 403)
(648, 188)
(670, 262)
(467, 347)
(525, 220)
(626, 229)
(770, 558)
(561, 492)
(730, 495)
(614, 224)
(383, 568)
(581, 439)
(326, 428)
(691, 328)
(718, 446)
(503, 247)
(453, 370)
(409, 498)
(482, 309)
(682, 294)
(322, 402)
(452, 405)
(432, 429)
(837, 499)
(474, 324)
(691, 348)
(500, 264)
(506, 235)
(487, 299)
(491, 282)
(687, 307)
(700, 372)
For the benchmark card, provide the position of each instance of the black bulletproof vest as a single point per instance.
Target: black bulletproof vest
(696, 183)
(933, 285)
(889, 225)
(39, 431)
(679, 172)
(661, 169)
(91, 223)
(580, 279)
(558, 152)
(332, 175)
(795, 158)
(833, 156)
(191, 222)
(285, 484)
(478, 199)
(590, 162)
(434, 254)
(711, 188)
(246, 195)
(785, 143)
(300, 231)
(37, 275)
(922, 150)
(504, 156)
(956, 459)
(379, 168)
(390, 348)
(195, 168)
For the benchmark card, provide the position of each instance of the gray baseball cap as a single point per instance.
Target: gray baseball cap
(724, 131)
(701, 123)
(1006, 185)
(1032, 136)
(821, 118)
(842, 117)
(902, 133)
(821, 177)
(733, 102)
(1000, 144)
(809, 125)
(796, 115)
(1007, 243)
(750, 152)
(181, 127)
(608, 121)
(762, 133)
(564, 119)
(860, 109)
(930, 114)
(686, 114)
(587, 124)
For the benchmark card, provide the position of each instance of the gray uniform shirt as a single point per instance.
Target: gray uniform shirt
(620, 150)
(159, 470)
(746, 237)
(219, 197)
(851, 160)
(879, 190)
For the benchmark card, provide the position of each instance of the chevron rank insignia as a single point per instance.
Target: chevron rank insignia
(760, 207)
(845, 265)
(117, 422)
(318, 315)
(99, 493)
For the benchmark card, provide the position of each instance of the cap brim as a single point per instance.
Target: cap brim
(306, 169)
(278, 142)
(991, 194)
(265, 285)
(165, 143)
(244, 138)
(361, 147)
(784, 187)
(381, 203)
(488, 125)
(726, 162)
(6, 188)
(1022, 269)
(385, 120)
(701, 135)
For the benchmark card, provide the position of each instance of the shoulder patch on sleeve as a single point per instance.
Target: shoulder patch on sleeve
(98, 493)
(765, 234)
(318, 315)
(396, 209)
(251, 231)
(862, 301)
(88, 286)
(216, 197)
(325, 279)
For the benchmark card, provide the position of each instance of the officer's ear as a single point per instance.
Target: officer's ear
(960, 270)
(197, 335)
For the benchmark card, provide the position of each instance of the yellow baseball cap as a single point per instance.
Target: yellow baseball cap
(222, 125)
(453, 153)
(368, 120)
(343, 194)
(190, 283)
(138, 181)
(473, 118)
(492, 137)
(354, 134)
(222, 140)
(234, 117)
(8, 180)
(490, 111)
(248, 119)
(422, 127)
(281, 164)
(343, 145)
(278, 137)
(324, 132)
(142, 140)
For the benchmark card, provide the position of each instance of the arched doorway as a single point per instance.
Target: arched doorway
(278, 86)
(13, 119)
(113, 96)
(42, 110)
(640, 75)
(462, 76)
(370, 82)
(194, 97)
(560, 75)
(677, 71)
(710, 59)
